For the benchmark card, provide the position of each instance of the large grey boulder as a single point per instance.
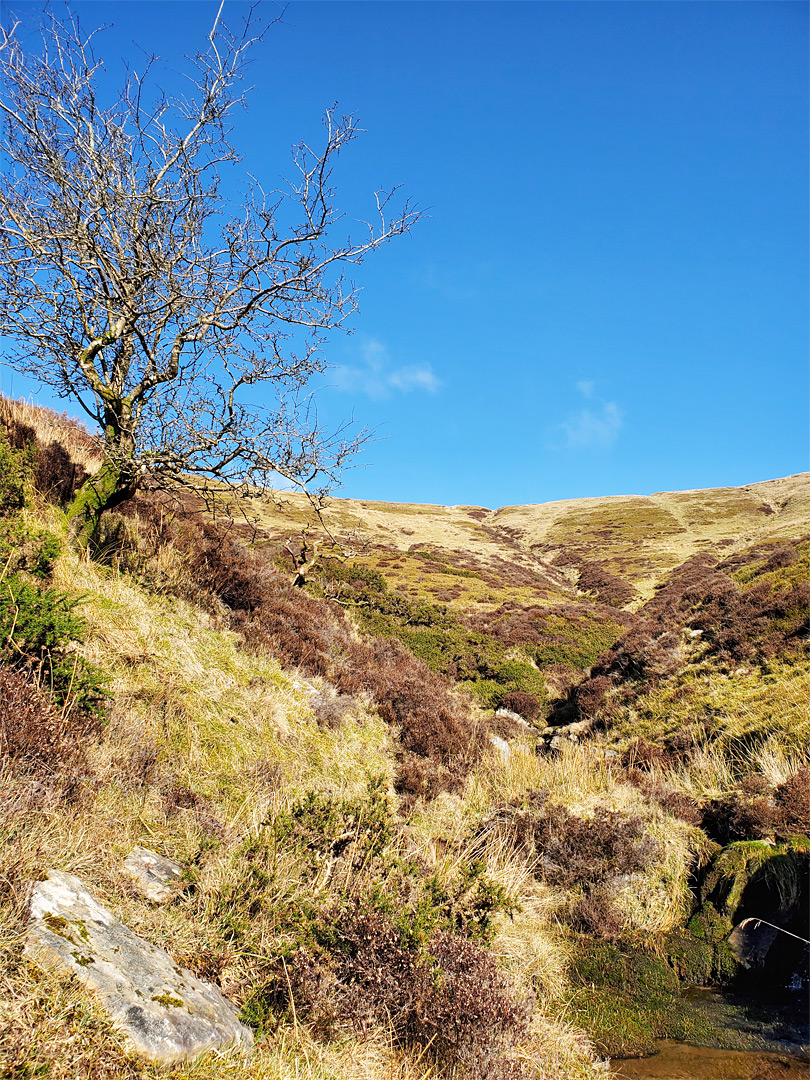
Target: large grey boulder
(158, 878)
(164, 1011)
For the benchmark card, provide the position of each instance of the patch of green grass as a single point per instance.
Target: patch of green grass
(626, 998)
(577, 641)
(740, 708)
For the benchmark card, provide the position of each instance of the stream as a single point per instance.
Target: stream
(678, 1061)
(762, 1044)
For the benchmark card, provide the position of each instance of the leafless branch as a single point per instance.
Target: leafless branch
(130, 285)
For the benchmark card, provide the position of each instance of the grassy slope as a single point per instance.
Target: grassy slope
(532, 556)
(207, 741)
(640, 537)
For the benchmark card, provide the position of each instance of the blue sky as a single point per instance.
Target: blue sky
(609, 291)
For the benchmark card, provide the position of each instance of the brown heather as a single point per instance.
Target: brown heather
(438, 740)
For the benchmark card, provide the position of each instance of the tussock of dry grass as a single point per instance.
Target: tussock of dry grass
(581, 779)
(51, 427)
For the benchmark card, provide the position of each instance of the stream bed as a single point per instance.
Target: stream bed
(759, 1043)
(678, 1061)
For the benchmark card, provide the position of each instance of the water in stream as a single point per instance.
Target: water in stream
(677, 1061)
(763, 1044)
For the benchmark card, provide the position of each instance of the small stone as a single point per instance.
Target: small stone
(164, 1011)
(157, 877)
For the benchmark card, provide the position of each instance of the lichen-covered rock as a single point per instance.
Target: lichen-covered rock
(165, 1012)
(157, 877)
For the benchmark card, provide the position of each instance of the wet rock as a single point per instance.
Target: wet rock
(157, 877)
(165, 1012)
(750, 942)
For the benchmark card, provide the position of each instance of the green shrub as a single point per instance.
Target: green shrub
(23, 547)
(37, 627)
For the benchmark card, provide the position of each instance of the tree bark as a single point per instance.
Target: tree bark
(106, 489)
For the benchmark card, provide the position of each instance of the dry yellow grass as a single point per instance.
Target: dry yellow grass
(236, 731)
(50, 426)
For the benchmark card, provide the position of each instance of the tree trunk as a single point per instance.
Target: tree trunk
(106, 489)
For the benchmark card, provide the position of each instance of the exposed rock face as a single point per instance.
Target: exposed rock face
(165, 1012)
(157, 877)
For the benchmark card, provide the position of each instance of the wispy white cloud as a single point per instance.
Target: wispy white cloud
(376, 377)
(596, 425)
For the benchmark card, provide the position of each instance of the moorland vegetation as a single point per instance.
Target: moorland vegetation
(477, 804)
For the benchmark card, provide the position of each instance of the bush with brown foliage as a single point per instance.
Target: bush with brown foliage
(608, 588)
(675, 750)
(595, 913)
(39, 742)
(576, 853)
(792, 799)
(448, 998)
(33, 734)
(439, 742)
(755, 810)
(525, 705)
(746, 814)
(590, 695)
(572, 852)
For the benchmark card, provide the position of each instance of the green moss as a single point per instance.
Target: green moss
(691, 958)
(778, 869)
(56, 924)
(168, 1001)
(626, 998)
(708, 926)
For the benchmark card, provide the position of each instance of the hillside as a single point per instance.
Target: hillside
(476, 802)
(639, 538)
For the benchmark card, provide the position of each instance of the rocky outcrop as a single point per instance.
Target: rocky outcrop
(165, 1012)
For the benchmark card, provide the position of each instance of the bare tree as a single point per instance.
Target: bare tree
(188, 330)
